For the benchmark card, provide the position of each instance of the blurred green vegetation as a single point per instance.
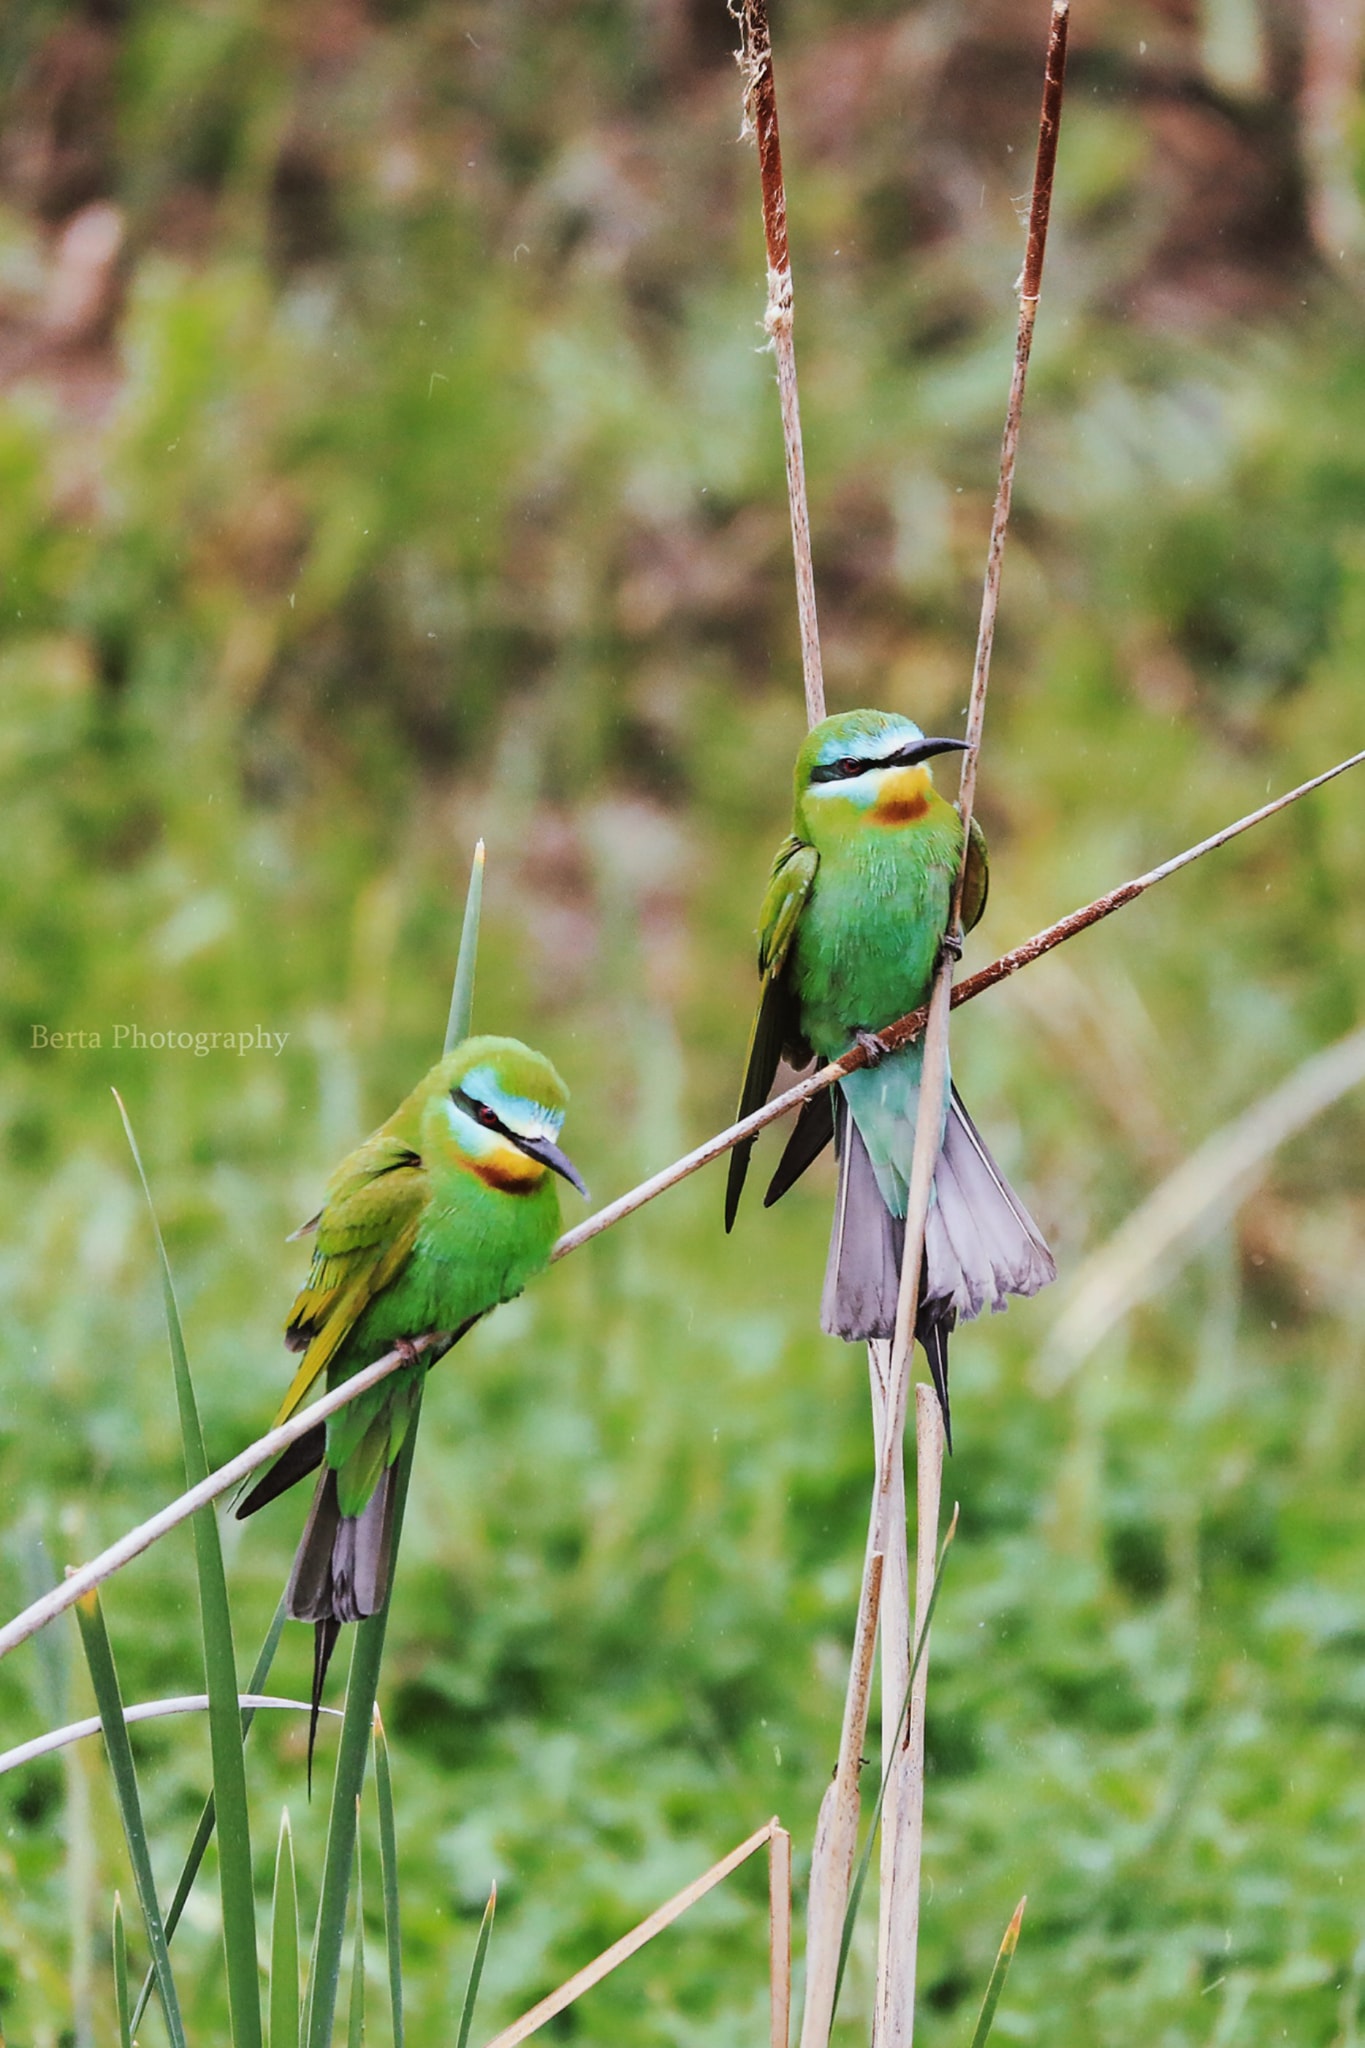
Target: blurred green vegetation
(387, 457)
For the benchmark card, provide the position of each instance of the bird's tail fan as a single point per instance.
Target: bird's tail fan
(341, 1571)
(862, 1277)
(981, 1246)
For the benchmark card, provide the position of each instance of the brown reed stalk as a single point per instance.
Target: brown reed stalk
(903, 1822)
(890, 1373)
(755, 60)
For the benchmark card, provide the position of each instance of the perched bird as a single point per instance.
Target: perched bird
(446, 1210)
(850, 935)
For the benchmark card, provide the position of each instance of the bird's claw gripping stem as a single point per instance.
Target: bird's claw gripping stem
(950, 946)
(872, 1046)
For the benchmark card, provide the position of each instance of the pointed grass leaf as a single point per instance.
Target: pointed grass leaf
(865, 1860)
(284, 1945)
(355, 2029)
(462, 993)
(125, 2024)
(999, 1972)
(471, 1990)
(203, 1833)
(388, 1863)
(324, 1974)
(99, 1656)
(220, 1675)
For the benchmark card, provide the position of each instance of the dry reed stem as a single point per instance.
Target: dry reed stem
(902, 1837)
(900, 1820)
(144, 1710)
(779, 1935)
(1030, 286)
(620, 1951)
(903, 1825)
(836, 1827)
(755, 59)
(87, 1576)
(895, 1622)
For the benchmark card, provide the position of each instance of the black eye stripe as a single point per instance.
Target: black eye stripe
(845, 769)
(480, 1112)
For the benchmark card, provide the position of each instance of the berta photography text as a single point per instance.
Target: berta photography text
(132, 1038)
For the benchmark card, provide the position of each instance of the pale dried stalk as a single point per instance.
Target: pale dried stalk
(143, 1710)
(836, 1829)
(895, 1621)
(903, 1825)
(903, 1828)
(755, 58)
(901, 1843)
(779, 1935)
(611, 1958)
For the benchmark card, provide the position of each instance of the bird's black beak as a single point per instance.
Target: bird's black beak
(550, 1155)
(925, 750)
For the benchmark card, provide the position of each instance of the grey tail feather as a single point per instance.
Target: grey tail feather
(341, 1571)
(981, 1246)
(862, 1278)
(324, 1642)
(933, 1328)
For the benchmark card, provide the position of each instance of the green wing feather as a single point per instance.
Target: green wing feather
(365, 1235)
(776, 1027)
(976, 881)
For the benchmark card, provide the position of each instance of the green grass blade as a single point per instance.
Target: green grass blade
(284, 1945)
(471, 1990)
(220, 1676)
(462, 994)
(1001, 1970)
(203, 1833)
(99, 1656)
(388, 1865)
(865, 1860)
(355, 2031)
(324, 1975)
(125, 2023)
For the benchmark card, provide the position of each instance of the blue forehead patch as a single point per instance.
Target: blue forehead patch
(516, 1110)
(870, 745)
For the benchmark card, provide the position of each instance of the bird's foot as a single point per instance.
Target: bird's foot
(407, 1350)
(872, 1046)
(950, 946)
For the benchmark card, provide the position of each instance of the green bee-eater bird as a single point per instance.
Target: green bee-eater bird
(850, 934)
(446, 1210)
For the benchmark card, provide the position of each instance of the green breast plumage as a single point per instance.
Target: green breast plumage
(868, 938)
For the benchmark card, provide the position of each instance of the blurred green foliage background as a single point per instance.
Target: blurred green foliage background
(388, 456)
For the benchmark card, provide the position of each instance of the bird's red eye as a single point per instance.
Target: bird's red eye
(850, 766)
(487, 1118)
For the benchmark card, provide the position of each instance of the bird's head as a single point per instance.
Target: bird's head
(865, 767)
(494, 1108)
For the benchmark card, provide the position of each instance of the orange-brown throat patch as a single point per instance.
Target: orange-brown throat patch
(508, 1170)
(904, 797)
